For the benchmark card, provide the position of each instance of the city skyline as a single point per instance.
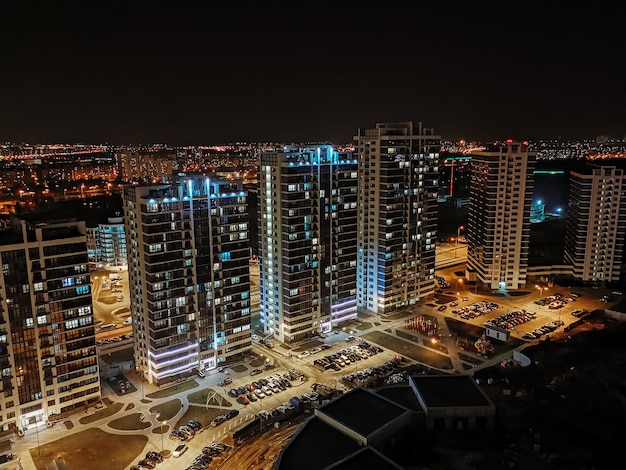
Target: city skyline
(173, 76)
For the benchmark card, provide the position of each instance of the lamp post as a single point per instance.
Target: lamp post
(261, 409)
(458, 235)
(38, 444)
(162, 425)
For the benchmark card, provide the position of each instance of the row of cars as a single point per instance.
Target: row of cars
(296, 404)
(221, 418)
(209, 453)
(476, 309)
(556, 301)
(150, 461)
(346, 356)
(543, 330)
(115, 339)
(510, 320)
(381, 370)
(264, 387)
(186, 432)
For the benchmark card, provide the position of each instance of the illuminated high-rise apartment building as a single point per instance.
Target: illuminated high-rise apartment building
(596, 224)
(189, 274)
(498, 226)
(397, 222)
(106, 244)
(307, 240)
(47, 336)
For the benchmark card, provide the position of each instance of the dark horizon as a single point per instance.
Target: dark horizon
(172, 76)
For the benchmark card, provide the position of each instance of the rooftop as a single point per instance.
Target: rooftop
(449, 391)
(362, 411)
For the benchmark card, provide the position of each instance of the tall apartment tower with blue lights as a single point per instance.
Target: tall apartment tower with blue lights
(189, 273)
(307, 241)
(498, 224)
(397, 222)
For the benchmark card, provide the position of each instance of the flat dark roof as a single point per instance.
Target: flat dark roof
(362, 411)
(366, 458)
(402, 395)
(316, 445)
(449, 390)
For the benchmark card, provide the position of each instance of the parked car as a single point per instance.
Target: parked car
(177, 435)
(232, 413)
(218, 419)
(195, 425)
(156, 456)
(255, 371)
(145, 463)
(180, 450)
(187, 430)
(225, 381)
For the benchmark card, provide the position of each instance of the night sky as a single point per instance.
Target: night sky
(185, 76)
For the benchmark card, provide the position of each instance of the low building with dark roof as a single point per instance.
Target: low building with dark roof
(453, 402)
(369, 430)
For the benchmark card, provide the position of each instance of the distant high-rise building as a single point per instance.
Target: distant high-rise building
(596, 223)
(498, 227)
(189, 274)
(397, 223)
(47, 335)
(106, 244)
(145, 164)
(307, 241)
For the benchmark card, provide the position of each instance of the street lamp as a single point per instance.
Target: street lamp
(162, 424)
(458, 233)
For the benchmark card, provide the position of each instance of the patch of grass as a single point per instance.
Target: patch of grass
(239, 368)
(91, 448)
(257, 362)
(174, 389)
(202, 414)
(103, 413)
(130, 422)
(216, 399)
(167, 410)
(415, 352)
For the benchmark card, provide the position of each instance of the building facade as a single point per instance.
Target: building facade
(189, 275)
(145, 164)
(106, 245)
(47, 336)
(397, 221)
(498, 227)
(307, 241)
(596, 224)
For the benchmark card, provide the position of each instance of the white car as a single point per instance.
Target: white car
(303, 354)
(180, 450)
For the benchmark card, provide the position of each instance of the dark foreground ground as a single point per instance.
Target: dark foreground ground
(566, 410)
